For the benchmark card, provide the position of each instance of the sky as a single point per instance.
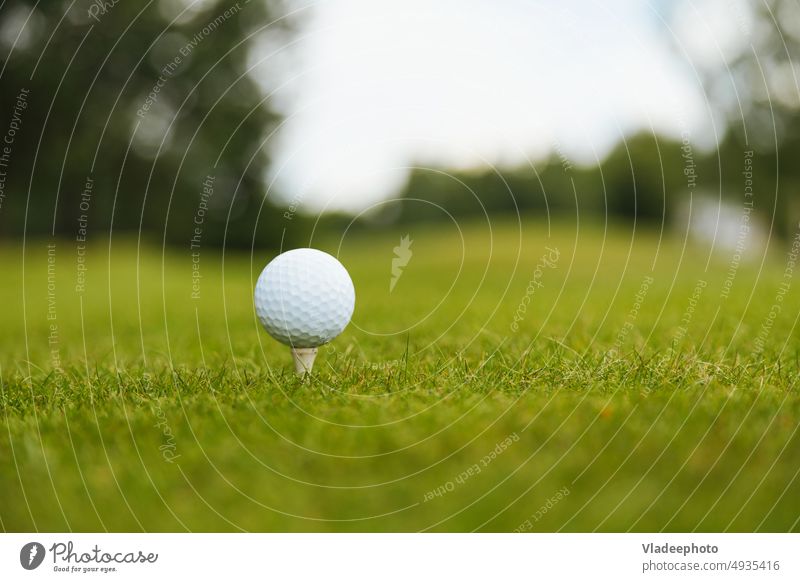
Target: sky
(370, 89)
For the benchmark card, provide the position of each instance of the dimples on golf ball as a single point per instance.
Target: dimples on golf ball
(304, 298)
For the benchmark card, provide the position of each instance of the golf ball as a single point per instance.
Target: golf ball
(304, 298)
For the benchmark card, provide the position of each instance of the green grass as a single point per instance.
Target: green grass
(169, 413)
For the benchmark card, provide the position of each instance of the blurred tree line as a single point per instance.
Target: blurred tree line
(647, 178)
(130, 109)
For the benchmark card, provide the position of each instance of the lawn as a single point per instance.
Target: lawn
(528, 377)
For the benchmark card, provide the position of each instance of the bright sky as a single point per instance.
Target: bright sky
(373, 87)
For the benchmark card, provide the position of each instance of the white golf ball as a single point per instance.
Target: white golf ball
(304, 298)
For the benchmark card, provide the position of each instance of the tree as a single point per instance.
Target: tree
(133, 116)
(756, 86)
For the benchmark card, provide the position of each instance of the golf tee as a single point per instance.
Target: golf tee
(304, 360)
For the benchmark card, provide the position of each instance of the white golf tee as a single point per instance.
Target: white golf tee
(304, 360)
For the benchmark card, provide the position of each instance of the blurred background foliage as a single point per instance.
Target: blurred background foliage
(90, 68)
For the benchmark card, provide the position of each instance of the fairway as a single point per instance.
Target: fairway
(515, 376)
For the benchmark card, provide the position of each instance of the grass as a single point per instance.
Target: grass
(629, 393)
